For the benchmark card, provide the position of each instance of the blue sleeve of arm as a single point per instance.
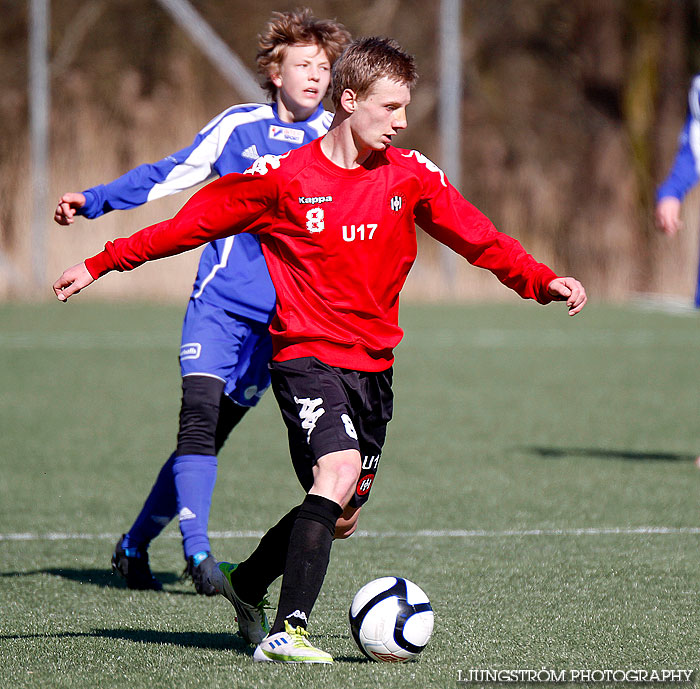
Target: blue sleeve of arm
(176, 172)
(684, 172)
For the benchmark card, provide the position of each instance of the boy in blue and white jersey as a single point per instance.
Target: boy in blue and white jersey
(684, 173)
(225, 345)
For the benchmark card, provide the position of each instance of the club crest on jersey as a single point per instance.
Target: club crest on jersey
(397, 203)
(287, 134)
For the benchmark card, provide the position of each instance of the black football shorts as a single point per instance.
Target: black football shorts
(329, 409)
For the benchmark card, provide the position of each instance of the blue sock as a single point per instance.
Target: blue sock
(157, 512)
(195, 476)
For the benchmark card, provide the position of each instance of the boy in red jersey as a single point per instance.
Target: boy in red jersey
(336, 220)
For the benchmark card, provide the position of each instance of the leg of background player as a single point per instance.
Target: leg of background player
(130, 556)
(157, 512)
(198, 433)
(206, 419)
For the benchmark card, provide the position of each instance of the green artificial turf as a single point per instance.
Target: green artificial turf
(537, 482)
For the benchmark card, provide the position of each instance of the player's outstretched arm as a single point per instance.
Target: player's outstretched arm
(72, 281)
(569, 290)
(67, 206)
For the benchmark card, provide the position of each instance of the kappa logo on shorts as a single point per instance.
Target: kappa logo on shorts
(191, 350)
(309, 414)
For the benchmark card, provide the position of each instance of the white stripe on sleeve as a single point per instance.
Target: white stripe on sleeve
(198, 167)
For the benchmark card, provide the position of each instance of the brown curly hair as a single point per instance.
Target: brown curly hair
(298, 27)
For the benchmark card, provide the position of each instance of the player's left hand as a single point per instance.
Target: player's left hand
(72, 281)
(569, 290)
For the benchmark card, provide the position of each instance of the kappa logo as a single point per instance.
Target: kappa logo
(191, 350)
(315, 199)
(292, 136)
(310, 413)
(264, 164)
(427, 162)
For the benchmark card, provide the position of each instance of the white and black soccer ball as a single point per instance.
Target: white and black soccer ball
(391, 619)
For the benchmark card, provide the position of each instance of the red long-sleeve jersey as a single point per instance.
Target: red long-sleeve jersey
(338, 243)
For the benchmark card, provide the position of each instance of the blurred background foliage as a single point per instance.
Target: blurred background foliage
(570, 115)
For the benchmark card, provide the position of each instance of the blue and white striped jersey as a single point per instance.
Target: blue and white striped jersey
(232, 272)
(685, 171)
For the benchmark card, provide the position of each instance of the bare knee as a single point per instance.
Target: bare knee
(336, 474)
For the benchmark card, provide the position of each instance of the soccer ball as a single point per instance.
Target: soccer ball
(391, 620)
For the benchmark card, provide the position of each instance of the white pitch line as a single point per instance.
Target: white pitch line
(453, 533)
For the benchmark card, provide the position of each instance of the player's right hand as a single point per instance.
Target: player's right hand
(72, 281)
(668, 215)
(65, 211)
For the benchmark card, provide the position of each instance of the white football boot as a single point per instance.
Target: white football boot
(290, 646)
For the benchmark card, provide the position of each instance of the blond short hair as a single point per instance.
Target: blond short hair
(365, 61)
(298, 27)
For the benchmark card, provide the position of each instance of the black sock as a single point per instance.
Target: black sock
(253, 577)
(307, 560)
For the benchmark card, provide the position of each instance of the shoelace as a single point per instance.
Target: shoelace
(263, 605)
(300, 637)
